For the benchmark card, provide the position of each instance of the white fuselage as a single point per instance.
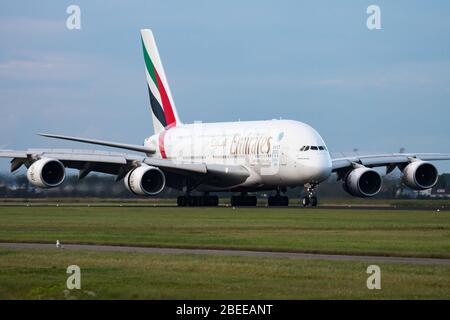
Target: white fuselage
(270, 150)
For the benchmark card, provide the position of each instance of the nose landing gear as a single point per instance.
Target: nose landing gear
(310, 200)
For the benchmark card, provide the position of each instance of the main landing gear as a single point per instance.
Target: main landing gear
(310, 200)
(278, 200)
(205, 200)
(243, 200)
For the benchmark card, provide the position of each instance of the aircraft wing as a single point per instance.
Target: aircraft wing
(120, 163)
(389, 160)
(119, 145)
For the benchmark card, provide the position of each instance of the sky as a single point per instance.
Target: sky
(312, 61)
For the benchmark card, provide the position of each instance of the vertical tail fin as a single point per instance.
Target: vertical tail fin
(164, 113)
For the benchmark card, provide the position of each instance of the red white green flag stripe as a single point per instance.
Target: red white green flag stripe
(161, 101)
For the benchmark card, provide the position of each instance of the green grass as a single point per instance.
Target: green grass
(35, 274)
(41, 274)
(403, 203)
(371, 232)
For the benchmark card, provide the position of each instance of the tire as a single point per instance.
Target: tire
(215, 201)
(306, 202)
(247, 201)
(210, 201)
(281, 201)
(181, 201)
(313, 201)
(251, 201)
(190, 201)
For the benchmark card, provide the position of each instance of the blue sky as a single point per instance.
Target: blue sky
(313, 61)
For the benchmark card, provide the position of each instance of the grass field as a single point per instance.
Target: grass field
(371, 232)
(42, 275)
(35, 274)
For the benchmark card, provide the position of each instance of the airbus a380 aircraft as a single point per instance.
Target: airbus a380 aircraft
(237, 157)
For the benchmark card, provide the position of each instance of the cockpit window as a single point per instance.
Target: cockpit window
(306, 148)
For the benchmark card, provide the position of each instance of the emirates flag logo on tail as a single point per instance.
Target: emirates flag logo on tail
(161, 101)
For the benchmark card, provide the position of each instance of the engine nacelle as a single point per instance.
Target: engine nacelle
(363, 182)
(420, 175)
(46, 173)
(145, 181)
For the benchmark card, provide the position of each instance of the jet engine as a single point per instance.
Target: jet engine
(363, 182)
(145, 181)
(46, 173)
(420, 175)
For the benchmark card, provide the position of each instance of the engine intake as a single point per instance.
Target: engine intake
(363, 182)
(420, 175)
(145, 181)
(46, 173)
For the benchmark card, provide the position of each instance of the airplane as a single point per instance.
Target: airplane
(237, 157)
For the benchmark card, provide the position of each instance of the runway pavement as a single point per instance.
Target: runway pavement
(239, 253)
(326, 206)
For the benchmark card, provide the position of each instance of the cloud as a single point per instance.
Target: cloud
(423, 74)
(36, 49)
(45, 66)
(28, 26)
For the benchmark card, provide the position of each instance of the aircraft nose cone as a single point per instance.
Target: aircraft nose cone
(319, 169)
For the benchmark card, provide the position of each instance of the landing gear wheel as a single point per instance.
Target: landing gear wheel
(211, 201)
(182, 201)
(278, 201)
(198, 201)
(243, 201)
(305, 201)
(310, 200)
(313, 201)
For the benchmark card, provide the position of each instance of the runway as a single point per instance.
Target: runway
(262, 207)
(236, 253)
